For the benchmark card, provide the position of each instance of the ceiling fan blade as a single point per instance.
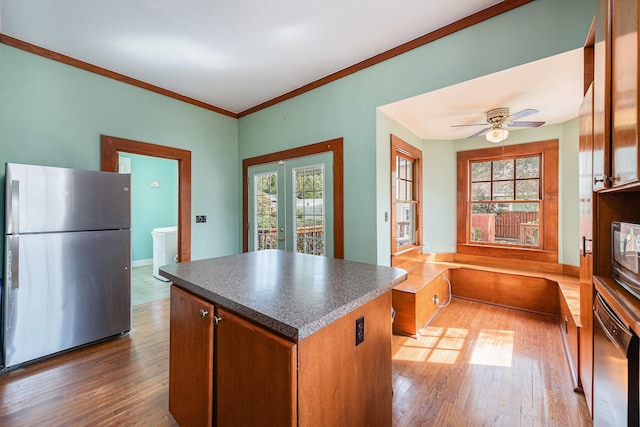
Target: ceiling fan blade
(475, 124)
(525, 124)
(519, 115)
(480, 132)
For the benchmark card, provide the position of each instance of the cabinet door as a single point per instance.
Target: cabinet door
(601, 97)
(585, 358)
(255, 375)
(190, 359)
(624, 83)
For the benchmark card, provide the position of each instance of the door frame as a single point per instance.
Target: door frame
(333, 145)
(110, 146)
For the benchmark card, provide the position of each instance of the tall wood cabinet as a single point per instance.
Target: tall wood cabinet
(609, 153)
(586, 251)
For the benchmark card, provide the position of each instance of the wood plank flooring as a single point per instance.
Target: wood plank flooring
(478, 365)
(482, 365)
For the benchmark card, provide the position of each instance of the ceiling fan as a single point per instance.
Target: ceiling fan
(498, 119)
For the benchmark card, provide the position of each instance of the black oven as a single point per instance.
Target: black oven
(616, 400)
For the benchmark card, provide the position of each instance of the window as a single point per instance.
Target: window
(507, 201)
(405, 196)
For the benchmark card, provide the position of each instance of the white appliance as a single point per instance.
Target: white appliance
(165, 249)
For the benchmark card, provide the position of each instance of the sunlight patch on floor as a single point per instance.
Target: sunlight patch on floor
(493, 348)
(436, 345)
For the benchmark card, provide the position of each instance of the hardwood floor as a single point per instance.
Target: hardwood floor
(123, 381)
(482, 365)
(478, 365)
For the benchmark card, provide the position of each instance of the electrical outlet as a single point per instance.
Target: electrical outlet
(201, 218)
(359, 330)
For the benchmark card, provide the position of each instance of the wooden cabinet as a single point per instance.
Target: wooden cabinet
(624, 89)
(585, 179)
(601, 96)
(190, 359)
(255, 375)
(609, 154)
(616, 151)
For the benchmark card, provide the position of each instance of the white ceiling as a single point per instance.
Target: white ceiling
(238, 54)
(553, 86)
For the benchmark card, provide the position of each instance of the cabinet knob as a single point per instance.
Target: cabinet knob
(216, 320)
(204, 313)
(584, 246)
(599, 179)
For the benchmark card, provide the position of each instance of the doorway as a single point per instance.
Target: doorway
(260, 181)
(154, 220)
(110, 146)
(291, 205)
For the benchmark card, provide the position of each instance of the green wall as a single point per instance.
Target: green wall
(151, 207)
(53, 114)
(347, 107)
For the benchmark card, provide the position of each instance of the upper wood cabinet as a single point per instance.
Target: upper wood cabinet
(601, 96)
(624, 84)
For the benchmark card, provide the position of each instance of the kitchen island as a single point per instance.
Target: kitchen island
(277, 338)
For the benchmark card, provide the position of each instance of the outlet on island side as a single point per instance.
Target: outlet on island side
(359, 330)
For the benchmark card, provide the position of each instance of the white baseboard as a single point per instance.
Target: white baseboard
(141, 262)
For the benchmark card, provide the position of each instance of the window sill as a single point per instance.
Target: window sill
(503, 252)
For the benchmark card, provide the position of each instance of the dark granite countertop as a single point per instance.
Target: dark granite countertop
(294, 295)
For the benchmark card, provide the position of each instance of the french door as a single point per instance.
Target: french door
(291, 205)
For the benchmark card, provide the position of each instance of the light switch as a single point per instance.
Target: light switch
(154, 184)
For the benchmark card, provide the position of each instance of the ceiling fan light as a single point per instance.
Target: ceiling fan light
(496, 135)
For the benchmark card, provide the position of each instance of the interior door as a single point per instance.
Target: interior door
(291, 205)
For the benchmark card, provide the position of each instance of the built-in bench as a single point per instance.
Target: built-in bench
(553, 294)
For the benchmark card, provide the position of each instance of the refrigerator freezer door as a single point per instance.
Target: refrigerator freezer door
(42, 199)
(73, 289)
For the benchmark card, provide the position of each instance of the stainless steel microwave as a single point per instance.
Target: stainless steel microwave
(625, 252)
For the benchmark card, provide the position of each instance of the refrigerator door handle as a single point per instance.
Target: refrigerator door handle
(15, 206)
(15, 261)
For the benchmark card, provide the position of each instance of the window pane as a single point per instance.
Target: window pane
(401, 189)
(309, 200)
(481, 191)
(503, 190)
(481, 171)
(528, 189)
(404, 168)
(528, 167)
(502, 169)
(506, 223)
(266, 203)
(405, 224)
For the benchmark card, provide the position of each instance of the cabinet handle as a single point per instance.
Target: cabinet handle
(216, 320)
(597, 180)
(204, 313)
(584, 246)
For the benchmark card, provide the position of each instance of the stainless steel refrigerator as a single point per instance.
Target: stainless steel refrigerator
(67, 260)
